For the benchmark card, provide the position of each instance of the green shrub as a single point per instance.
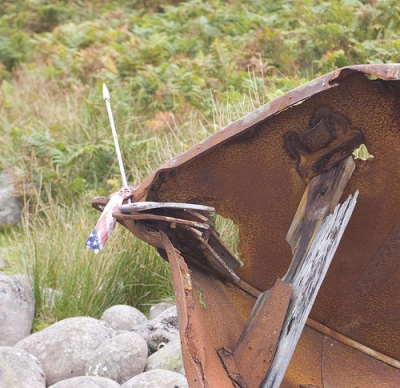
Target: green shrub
(15, 47)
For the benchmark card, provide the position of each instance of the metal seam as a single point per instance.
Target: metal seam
(353, 344)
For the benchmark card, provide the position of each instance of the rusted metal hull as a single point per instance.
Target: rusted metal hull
(249, 174)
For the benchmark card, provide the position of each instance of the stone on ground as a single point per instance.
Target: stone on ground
(10, 206)
(50, 296)
(86, 382)
(65, 348)
(3, 262)
(123, 317)
(160, 330)
(169, 357)
(158, 308)
(119, 358)
(17, 309)
(19, 369)
(157, 378)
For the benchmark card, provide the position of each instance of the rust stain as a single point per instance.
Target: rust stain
(254, 172)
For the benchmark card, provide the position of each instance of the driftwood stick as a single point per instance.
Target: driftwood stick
(309, 275)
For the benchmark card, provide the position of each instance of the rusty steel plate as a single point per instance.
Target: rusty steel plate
(254, 172)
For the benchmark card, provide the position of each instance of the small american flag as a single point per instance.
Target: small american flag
(106, 223)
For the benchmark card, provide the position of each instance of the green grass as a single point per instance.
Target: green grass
(177, 72)
(54, 256)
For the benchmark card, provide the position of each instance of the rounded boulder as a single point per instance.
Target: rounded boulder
(157, 378)
(20, 369)
(17, 309)
(65, 348)
(158, 308)
(86, 382)
(168, 357)
(123, 317)
(119, 358)
(10, 205)
(162, 329)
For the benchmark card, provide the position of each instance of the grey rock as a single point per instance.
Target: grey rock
(10, 206)
(19, 369)
(119, 358)
(119, 332)
(161, 329)
(123, 317)
(169, 357)
(3, 263)
(158, 308)
(157, 378)
(50, 296)
(86, 382)
(17, 309)
(65, 347)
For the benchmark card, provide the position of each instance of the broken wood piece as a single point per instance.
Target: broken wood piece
(319, 199)
(307, 281)
(265, 322)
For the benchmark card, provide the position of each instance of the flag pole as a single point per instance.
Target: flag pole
(107, 99)
(105, 225)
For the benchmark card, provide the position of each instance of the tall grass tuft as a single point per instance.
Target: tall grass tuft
(70, 280)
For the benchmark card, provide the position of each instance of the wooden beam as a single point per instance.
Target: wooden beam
(320, 198)
(307, 280)
(257, 345)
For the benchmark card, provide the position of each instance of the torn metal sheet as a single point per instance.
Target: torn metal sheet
(254, 172)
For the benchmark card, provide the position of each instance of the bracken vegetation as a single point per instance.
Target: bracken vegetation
(177, 71)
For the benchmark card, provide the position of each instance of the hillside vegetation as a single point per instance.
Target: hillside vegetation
(177, 71)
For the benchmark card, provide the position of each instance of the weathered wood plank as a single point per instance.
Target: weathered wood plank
(259, 339)
(320, 198)
(308, 278)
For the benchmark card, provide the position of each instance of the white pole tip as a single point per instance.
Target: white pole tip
(106, 93)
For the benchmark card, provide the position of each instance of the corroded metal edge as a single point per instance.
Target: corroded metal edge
(296, 96)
